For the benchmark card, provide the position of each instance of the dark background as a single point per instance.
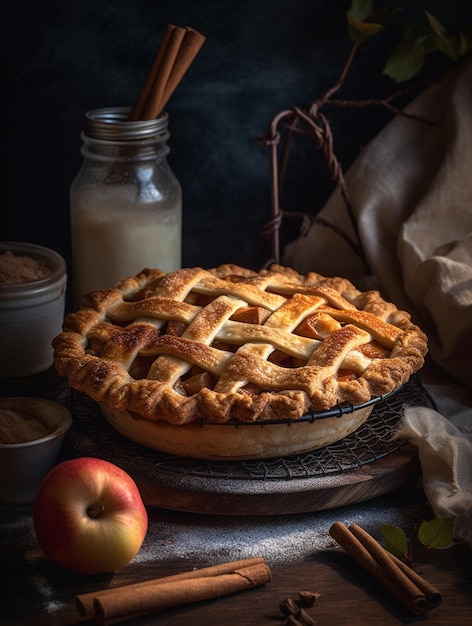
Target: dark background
(62, 58)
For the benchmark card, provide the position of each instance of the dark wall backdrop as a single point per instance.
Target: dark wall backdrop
(61, 58)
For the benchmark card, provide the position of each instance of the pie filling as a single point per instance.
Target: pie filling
(233, 344)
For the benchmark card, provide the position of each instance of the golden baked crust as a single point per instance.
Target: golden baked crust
(230, 343)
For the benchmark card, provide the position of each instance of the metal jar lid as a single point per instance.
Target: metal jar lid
(112, 124)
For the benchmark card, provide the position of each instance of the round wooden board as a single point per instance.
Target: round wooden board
(218, 497)
(365, 465)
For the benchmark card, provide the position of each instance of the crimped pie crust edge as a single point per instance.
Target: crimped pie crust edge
(316, 388)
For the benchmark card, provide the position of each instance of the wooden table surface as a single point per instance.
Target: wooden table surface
(297, 548)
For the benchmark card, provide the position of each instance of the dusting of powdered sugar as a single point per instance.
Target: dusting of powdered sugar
(278, 539)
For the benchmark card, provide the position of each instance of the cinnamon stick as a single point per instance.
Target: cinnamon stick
(176, 53)
(153, 107)
(408, 586)
(433, 595)
(392, 564)
(144, 94)
(190, 46)
(114, 605)
(166, 595)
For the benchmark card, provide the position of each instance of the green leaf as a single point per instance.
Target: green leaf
(446, 48)
(360, 31)
(463, 43)
(406, 60)
(395, 540)
(436, 36)
(436, 26)
(438, 533)
(362, 9)
(438, 39)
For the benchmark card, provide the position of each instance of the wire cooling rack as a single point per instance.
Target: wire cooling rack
(92, 434)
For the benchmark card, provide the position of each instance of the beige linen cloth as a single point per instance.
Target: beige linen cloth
(411, 189)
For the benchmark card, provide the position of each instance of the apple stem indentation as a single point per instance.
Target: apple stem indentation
(95, 510)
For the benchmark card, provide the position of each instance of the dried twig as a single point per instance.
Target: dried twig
(316, 125)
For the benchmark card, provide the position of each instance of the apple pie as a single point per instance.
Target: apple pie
(231, 344)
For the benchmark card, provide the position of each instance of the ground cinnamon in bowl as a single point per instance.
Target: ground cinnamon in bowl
(16, 269)
(32, 431)
(19, 426)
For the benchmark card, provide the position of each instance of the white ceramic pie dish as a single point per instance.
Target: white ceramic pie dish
(242, 441)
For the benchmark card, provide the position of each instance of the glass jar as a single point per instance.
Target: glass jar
(125, 202)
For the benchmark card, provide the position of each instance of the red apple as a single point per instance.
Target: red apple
(89, 516)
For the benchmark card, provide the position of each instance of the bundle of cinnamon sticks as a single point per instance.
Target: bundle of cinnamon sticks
(111, 606)
(178, 49)
(403, 582)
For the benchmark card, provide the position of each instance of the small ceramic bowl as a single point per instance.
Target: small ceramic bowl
(33, 284)
(32, 431)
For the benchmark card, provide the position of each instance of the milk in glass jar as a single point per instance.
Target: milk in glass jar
(125, 202)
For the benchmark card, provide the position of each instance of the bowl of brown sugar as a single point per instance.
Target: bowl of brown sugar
(33, 284)
(32, 432)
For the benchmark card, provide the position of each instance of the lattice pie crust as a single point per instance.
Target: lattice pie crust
(233, 344)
